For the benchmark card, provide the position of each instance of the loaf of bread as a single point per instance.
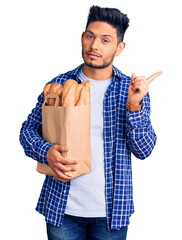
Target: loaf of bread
(54, 88)
(78, 93)
(71, 94)
(82, 97)
(47, 89)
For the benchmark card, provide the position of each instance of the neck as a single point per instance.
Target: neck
(98, 74)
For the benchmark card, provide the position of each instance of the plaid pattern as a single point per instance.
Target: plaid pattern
(125, 132)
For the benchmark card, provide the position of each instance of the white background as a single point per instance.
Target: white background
(41, 39)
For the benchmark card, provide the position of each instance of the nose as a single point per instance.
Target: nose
(95, 44)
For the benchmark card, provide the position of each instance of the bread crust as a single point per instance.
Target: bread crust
(78, 93)
(71, 94)
(47, 89)
(54, 88)
(82, 98)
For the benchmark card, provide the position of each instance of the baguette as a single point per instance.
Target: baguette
(54, 88)
(69, 93)
(86, 84)
(78, 93)
(82, 98)
(46, 91)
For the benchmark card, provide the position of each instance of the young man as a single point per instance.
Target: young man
(96, 205)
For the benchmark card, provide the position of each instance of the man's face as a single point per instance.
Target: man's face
(100, 45)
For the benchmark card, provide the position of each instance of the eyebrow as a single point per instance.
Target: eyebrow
(104, 35)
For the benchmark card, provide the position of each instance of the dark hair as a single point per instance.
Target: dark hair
(111, 16)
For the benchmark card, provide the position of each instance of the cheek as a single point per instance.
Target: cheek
(85, 43)
(108, 52)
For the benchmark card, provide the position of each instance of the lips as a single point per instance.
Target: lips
(93, 55)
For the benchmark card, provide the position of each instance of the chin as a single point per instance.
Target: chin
(92, 65)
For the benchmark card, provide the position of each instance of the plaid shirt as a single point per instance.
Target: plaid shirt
(125, 132)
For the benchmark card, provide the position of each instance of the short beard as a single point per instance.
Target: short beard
(104, 65)
(96, 66)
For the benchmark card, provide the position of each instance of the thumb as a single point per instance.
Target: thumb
(133, 76)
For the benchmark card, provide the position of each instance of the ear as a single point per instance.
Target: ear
(120, 48)
(82, 36)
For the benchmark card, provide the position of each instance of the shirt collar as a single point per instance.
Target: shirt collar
(117, 72)
(75, 72)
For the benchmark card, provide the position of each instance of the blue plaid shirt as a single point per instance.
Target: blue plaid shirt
(125, 132)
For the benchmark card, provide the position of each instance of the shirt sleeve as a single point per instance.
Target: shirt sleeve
(141, 137)
(31, 134)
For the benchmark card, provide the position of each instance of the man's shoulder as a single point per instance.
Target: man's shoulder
(72, 74)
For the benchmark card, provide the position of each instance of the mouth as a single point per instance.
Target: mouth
(93, 55)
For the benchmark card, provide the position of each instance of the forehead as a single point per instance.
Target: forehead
(102, 28)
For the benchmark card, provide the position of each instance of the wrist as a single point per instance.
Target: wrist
(133, 103)
(133, 107)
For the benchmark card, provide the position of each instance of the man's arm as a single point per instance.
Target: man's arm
(141, 137)
(31, 134)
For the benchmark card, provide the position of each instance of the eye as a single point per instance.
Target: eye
(89, 36)
(105, 40)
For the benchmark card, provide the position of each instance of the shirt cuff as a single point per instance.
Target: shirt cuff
(43, 152)
(139, 119)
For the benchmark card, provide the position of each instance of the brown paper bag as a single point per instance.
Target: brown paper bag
(68, 126)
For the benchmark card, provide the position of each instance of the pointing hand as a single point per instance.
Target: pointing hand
(139, 87)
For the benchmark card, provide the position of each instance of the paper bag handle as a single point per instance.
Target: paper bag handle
(52, 96)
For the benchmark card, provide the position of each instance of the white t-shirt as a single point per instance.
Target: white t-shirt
(87, 193)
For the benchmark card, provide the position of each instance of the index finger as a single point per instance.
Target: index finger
(152, 77)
